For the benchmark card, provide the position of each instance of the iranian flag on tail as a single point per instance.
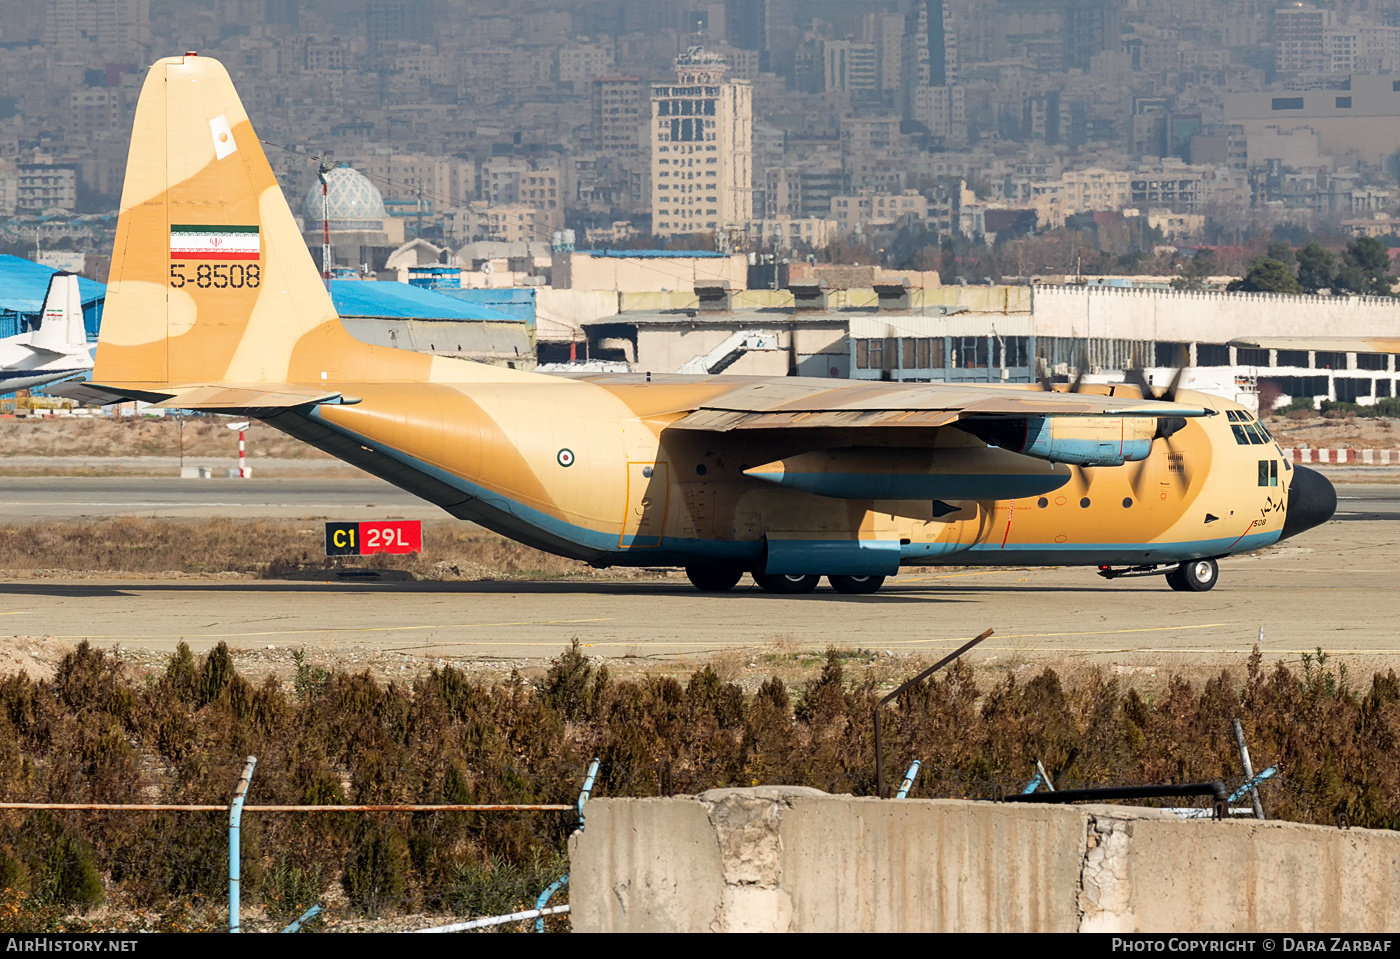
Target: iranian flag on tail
(214, 242)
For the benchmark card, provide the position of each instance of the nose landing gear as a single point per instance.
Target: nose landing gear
(1195, 576)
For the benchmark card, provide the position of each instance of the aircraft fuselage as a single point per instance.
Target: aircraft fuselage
(598, 472)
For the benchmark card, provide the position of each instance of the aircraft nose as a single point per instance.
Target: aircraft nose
(1311, 501)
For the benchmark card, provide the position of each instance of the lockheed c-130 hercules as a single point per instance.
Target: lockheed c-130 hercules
(215, 304)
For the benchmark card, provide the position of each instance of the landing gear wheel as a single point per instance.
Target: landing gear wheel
(713, 578)
(786, 583)
(1196, 576)
(856, 584)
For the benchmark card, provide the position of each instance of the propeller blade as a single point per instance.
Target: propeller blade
(1167, 425)
(1170, 394)
(1135, 377)
(1079, 374)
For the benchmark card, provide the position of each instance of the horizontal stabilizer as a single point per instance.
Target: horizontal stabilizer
(213, 397)
(219, 397)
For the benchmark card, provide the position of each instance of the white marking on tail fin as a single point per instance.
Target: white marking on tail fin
(223, 136)
(61, 327)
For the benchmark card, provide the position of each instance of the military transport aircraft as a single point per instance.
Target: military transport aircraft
(55, 349)
(215, 304)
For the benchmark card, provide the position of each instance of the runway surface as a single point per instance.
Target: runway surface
(1333, 587)
(28, 499)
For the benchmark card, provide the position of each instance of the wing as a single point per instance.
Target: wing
(775, 404)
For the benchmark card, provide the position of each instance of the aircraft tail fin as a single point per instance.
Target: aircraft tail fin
(61, 327)
(211, 282)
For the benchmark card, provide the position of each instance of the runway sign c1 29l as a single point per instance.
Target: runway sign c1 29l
(362, 539)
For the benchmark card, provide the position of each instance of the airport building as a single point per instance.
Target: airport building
(884, 326)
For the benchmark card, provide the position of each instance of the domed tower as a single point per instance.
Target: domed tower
(362, 233)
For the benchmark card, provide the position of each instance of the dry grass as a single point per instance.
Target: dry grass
(136, 546)
(144, 436)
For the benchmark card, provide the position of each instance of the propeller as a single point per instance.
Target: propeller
(1042, 373)
(1166, 425)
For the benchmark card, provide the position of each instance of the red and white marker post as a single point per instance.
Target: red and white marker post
(242, 449)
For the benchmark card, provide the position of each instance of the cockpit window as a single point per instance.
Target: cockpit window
(1248, 431)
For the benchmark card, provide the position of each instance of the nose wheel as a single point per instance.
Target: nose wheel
(1195, 576)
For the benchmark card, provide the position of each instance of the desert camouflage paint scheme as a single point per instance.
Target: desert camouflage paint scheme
(215, 304)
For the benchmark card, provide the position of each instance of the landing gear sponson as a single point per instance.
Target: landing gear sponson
(717, 579)
(1194, 576)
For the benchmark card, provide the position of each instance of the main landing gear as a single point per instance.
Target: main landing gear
(1194, 576)
(715, 578)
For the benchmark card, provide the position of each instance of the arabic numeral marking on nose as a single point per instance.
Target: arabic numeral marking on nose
(204, 276)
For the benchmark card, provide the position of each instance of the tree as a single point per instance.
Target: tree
(1317, 267)
(947, 262)
(1283, 252)
(1193, 277)
(1266, 276)
(1366, 268)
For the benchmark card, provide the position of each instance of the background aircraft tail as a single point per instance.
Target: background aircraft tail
(61, 327)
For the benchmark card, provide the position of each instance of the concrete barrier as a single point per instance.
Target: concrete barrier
(791, 859)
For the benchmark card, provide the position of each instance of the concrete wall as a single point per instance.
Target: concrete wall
(791, 859)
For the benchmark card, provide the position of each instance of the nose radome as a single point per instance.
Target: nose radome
(1311, 501)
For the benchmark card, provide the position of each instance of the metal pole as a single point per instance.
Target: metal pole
(879, 744)
(587, 790)
(304, 918)
(242, 467)
(498, 920)
(1248, 770)
(563, 880)
(235, 818)
(325, 224)
(908, 783)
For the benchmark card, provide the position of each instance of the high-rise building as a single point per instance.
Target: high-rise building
(617, 117)
(886, 31)
(108, 23)
(746, 22)
(1091, 26)
(701, 134)
(851, 68)
(1299, 37)
(930, 69)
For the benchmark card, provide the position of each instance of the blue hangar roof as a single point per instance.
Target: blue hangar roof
(23, 284)
(399, 301)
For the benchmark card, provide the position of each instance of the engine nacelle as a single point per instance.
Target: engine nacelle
(1077, 440)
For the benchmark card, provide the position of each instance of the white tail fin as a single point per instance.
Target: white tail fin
(61, 327)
